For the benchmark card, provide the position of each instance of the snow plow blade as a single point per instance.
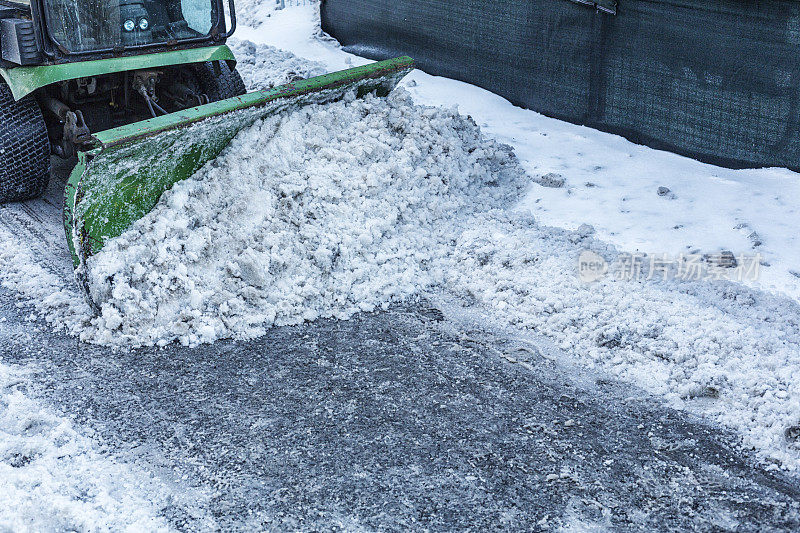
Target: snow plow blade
(122, 178)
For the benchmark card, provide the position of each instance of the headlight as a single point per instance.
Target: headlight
(144, 24)
(129, 25)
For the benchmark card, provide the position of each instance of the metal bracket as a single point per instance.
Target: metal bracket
(76, 134)
(606, 6)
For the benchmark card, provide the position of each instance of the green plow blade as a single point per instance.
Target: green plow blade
(122, 178)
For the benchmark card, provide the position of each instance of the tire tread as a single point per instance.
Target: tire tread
(24, 148)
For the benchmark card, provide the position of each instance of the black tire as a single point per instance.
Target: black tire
(219, 84)
(24, 148)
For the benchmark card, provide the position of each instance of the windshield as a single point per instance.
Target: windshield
(86, 25)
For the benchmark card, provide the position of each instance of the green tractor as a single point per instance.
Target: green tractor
(143, 92)
(73, 68)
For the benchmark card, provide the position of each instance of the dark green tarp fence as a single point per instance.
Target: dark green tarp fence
(718, 80)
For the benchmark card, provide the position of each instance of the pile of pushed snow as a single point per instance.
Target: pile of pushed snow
(53, 478)
(322, 212)
(263, 67)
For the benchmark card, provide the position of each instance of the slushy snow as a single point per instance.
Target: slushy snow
(323, 212)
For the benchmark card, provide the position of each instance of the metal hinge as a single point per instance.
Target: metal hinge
(606, 6)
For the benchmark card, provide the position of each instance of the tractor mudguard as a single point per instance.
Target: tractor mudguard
(122, 178)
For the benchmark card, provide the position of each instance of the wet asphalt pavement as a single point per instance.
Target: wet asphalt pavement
(402, 420)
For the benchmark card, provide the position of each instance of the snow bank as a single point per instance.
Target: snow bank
(323, 212)
(53, 478)
(613, 184)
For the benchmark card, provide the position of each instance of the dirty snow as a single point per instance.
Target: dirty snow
(56, 298)
(55, 478)
(715, 348)
(613, 185)
(323, 212)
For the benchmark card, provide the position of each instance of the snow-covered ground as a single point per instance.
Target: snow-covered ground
(323, 213)
(55, 478)
(613, 184)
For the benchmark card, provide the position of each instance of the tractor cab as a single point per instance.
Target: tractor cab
(41, 32)
(89, 27)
